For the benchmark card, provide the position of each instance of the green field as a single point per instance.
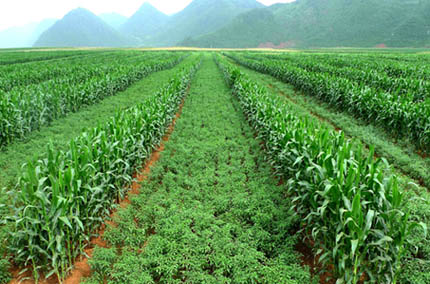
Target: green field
(265, 167)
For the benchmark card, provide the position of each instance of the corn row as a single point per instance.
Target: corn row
(19, 75)
(350, 208)
(402, 66)
(399, 115)
(62, 198)
(15, 57)
(417, 90)
(27, 109)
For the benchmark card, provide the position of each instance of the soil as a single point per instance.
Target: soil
(309, 259)
(423, 154)
(381, 45)
(81, 268)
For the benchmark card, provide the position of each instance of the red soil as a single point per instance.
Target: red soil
(381, 45)
(309, 259)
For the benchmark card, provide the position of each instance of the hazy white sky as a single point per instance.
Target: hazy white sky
(20, 12)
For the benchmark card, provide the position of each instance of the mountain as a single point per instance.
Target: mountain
(199, 18)
(146, 22)
(80, 28)
(250, 29)
(326, 23)
(114, 20)
(24, 36)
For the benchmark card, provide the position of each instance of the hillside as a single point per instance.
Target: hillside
(114, 20)
(201, 17)
(249, 29)
(327, 23)
(80, 27)
(146, 22)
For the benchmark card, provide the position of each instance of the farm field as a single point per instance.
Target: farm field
(200, 166)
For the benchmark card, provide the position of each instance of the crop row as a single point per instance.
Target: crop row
(350, 208)
(61, 199)
(396, 68)
(397, 114)
(23, 110)
(416, 90)
(18, 75)
(14, 57)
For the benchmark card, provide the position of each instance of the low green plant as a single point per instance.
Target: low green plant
(101, 263)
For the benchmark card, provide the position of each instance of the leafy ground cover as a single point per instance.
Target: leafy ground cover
(210, 211)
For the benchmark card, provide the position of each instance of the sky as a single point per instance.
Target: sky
(20, 12)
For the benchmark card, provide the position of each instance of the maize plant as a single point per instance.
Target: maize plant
(17, 75)
(400, 66)
(419, 89)
(28, 108)
(62, 198)
(399, 114)
(351, 209)
(15, 57)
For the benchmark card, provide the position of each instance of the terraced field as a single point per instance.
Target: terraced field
(122, 166)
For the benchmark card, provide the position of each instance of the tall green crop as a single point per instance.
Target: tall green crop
(351, 209)
(62, 198)
(27, 108)
(403, 112)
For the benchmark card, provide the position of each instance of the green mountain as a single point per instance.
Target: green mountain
(326, 23)
(80, 28)
(24, 36)
(249, 29)
(199, 18)
(145, 23)
(114, 20)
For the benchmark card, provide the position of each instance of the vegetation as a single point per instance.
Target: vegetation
(14, 57)
(400, 104)
(318, 23)
(62, 198)
(352, 211)
(80, 27)
(251, 175)
(25, 109)
(210, 211)
(234, 24)
(199, 18)
(401, 153)
(62, 131)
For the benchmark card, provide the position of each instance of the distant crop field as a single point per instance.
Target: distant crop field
(214, 166)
